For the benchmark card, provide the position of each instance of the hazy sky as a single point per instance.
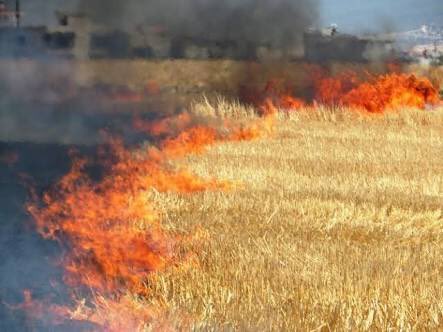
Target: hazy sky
(350, 15)
(366, 15)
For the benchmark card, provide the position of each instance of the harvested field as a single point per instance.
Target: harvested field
(228, 216)
(334, 223)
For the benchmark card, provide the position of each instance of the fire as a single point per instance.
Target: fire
(275, 96)
(374, 94)
(111, 232)
(123, 314)
(384, 92)
(191, 141)
(109, 229)
(330, 90)
(392, 92)
(100, 224)
(192, 138)
(38, 310)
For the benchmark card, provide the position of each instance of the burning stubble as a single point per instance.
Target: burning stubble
(112, 233)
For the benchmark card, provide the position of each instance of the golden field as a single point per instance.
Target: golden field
(334, 222)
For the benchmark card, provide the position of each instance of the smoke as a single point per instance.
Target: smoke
(38, 106)
(40, 110)
(270, 22)
(276, 24)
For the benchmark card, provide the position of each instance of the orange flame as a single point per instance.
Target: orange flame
(112, 232)
(376, 95)
(110, 229)
(392, 92)
(275, 96)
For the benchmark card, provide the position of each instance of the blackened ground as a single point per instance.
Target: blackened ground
(26, 260)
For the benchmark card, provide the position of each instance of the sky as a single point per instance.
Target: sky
(350, 15)
(376, 15)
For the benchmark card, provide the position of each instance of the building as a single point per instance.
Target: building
(9, 18)
(77, 36)
(331, 45)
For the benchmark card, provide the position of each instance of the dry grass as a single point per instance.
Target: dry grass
(336, 224)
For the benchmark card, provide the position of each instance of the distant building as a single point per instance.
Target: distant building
(8, 18)
(72, 35)
(77, 36)
(329, 44)
(428, 53)
(95, 41)
(18, 42)
(202, 48)
(91, 40)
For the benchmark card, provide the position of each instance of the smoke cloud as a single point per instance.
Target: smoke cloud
(270, 22)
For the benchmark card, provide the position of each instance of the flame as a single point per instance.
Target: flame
(373, 93)
(330, 90)
(381, 93)
(112, 233)
(122, 314)
(41, 310)
(392, 91)
(110, 230)
(274, 97)
(106, 315)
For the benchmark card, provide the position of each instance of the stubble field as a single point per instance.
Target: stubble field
(334, 222)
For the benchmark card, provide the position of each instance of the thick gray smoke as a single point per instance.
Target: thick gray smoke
(277, 24)
(270, 22)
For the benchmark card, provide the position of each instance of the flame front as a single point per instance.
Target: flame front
(390, 91)
(376, 95)
(111, 232)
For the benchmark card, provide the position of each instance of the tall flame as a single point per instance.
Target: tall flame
(110, 230)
